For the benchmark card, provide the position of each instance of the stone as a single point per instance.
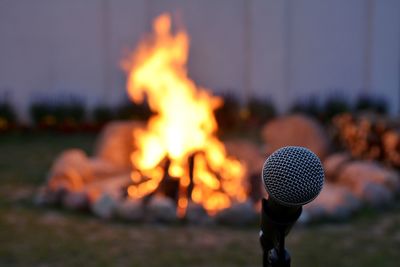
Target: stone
(248, 152)
(333, 163)
(104, 169)
(239, 214)
(130, 210)
(104, 207)
(355, 174)
(375, 195)
(296, 130)
(251, 155)
(45, 196)
(196, 214)
(116, 143)
(161, 209)
(115, 186)
(40, 198)
(334, 202)
(76, 201)
(71, 170)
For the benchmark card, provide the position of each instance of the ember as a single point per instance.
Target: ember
(179, 142)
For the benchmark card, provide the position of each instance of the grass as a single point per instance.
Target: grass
(31, 236)
(25, 158)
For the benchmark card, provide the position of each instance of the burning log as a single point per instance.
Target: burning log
(369, 137)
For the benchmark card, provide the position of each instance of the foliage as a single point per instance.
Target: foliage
(7, 115)
(128, 110)
(102, 114)
(370, 103)
(260, 111)
(58, 113)
(228, 115)
(309, 106)
(334, 105)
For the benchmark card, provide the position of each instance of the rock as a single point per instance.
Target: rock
(45, 196)
(250, 154)
(239, 214)
(196, 214)
(373, 194)
(113, 186)
(104, 169)
(335, 202)
(40, 196)
(359, 172)
(130, 210)
(116, 143)
(333, 163)
(161, 209)
(296, 130)
(104, 207)
(76, 201)
(247, 152)
(256, 188)
(71, 170)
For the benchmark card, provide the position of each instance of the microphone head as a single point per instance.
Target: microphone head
(293, 176)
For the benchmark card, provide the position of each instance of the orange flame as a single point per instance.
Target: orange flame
(184, 125)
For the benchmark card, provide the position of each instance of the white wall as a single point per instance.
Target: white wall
(284, 49)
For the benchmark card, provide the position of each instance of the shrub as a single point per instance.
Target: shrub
(260, 111)
(370, 103)
(7, 115)
(102, 114)
(334, 105)
(228, 115)
(61, 112)
(128, 110)
(309, 106)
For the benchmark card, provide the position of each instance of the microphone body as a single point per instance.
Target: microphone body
(292, 176)
(275, 221)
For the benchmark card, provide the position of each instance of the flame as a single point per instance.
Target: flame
(184, 125)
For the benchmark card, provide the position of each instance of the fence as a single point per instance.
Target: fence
(283, 49)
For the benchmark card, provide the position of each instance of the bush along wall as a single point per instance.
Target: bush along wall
(64, 114)
(69, 113)
(8, 119)
(228, 114)
(260, 111)
(337, 104)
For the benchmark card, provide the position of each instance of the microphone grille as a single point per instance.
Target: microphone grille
(293, 176)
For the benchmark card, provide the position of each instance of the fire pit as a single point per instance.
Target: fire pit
(175, 163)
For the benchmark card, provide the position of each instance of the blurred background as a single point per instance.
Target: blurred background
(284, 50)
(320, 74)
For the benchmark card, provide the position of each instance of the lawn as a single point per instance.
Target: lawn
(32, 236)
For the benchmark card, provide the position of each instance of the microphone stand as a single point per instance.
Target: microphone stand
(276, 257)
(272, 236)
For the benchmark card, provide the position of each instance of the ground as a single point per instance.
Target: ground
(32, 236)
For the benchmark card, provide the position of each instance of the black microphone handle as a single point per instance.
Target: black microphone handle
(275, 220)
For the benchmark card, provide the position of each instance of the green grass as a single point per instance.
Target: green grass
(31, 236)
(26, 158)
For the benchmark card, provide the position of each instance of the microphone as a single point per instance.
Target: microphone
(292, 176)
